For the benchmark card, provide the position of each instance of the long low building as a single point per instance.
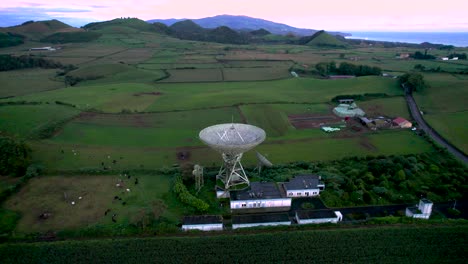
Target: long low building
(318, 216)
(244, 221)
(202, 222)
(260, 195)
(304, 186)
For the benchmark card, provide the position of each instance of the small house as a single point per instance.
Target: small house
(422, 210)
(260, 196)
(402, 123)
(318, 216)
(304, 186)
(252, 220)
(202, 222)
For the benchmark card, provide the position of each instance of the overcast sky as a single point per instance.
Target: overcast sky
(343, 15)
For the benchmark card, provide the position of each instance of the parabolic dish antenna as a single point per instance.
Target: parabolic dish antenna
(232, 140)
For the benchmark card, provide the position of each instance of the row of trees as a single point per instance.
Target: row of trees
(9, 62)
(345, 68)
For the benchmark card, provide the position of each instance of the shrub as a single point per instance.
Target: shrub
(186, 197)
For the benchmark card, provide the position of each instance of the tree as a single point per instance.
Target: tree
(412, 81)
(15, 157)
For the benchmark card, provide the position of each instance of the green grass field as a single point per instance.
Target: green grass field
(444, 106)
(25, 120)
(143, 130)
(299, 90)
(391, 107)
(55, 194)
(452, 126)
(109, 98)
(21, 82)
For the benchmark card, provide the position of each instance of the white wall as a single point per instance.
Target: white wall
(317, 221)
(302, 193)
(426, 208)
(206, 227)
(320, 220)
(236, 226)
(261, 203)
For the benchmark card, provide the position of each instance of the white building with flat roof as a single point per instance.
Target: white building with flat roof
(260, 195)
(304, 186)
(422, 210)
(203, 223)
(318, 216)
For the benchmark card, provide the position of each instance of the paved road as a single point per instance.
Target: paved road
(430, 132)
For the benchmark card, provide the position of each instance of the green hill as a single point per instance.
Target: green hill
(225, 35)
(133, 23)
(323, 39)
(37, 30)
(70, 37)
(187, 29)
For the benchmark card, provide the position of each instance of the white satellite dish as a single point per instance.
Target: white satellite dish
(232, 140)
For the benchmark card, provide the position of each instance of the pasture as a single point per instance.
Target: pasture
(59, 197)
(26, 120)
(28, 81)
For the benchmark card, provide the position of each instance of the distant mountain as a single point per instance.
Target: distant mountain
(189, 30)
(245, 23)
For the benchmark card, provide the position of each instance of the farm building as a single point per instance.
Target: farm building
(423, 210)
(261, 195)
(402, 123)
(318, 216)
(202, 222)
(367, 122)
(348, 110)
(304, 186)
(42, 48)
(243, 221)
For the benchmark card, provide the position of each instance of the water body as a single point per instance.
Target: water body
(457, 39)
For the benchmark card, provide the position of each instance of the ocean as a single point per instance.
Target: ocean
(457, 39)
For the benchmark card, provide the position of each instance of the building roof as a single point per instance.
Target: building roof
(202, 219)
(399, 120)
(316, 214)
(365, 120)
(260, 218)
(257, 191)
(426, 201)
(303, 181)
(414, 210)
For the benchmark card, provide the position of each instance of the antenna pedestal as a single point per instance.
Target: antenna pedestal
(232, 173)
